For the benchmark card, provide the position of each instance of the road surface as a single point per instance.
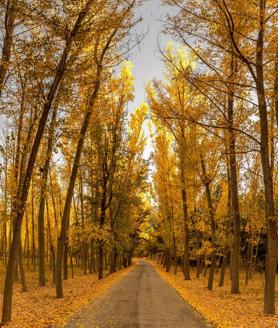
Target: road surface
(141, 300)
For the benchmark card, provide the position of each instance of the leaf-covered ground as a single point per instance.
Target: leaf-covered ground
(38, 308)
(221, 308)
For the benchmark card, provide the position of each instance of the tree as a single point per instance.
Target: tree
(101, 47)
(245, 40)
(23, 193)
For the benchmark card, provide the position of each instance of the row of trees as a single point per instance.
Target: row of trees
(72, 167)
(215, 114)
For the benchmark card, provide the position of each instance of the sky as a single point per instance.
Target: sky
(146, 57)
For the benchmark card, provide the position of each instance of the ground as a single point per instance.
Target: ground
(141, 300)
(219, 306)
(143, 295)
(38, 308)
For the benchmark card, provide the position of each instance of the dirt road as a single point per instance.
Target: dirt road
(141, 300)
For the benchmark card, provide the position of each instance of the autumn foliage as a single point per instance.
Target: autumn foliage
(88, 179)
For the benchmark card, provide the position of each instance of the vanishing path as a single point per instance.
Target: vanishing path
(141, 300)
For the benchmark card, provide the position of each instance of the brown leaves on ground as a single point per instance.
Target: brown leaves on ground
(38, 308)
(221, 308)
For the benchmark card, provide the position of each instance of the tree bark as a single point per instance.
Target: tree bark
(21, 269)
(101, 242)
(8, 40)
(233, 178)
(41, 242)
(212, 223)
(186, 257)
(223, 269)
(271, 219)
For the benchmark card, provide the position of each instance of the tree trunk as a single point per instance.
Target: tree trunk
(101, 223)
(271, 224)
(223, 268)
(52, 250)
(41, 242)
(8, 40)
(100, 259)
(176, 264)
(114, 258)
(235, 254)
(33, 227)
(206, 182)
(71, 265)
(168, 260)
(276, 86)
(65, 262)
(186, 257)
(21, 269)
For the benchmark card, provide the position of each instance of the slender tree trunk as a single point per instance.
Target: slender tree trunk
(271, 224)
(84, 246)
(176, 265)
(94, 262)
(235, 254)
(27, 240)
(276, 86)
(9, 22)
(71, 265)
(33, 226)
(65, 262)
(249, 260)
(114, 258)
(103, 207)
(5, 202)
(223, 270)
(168, 260)
(198, 266)
(186, 257)
(206, 182)
(21, 269)
(255, 258)
(41, 242)
(52, 250)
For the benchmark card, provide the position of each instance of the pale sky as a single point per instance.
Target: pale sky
(146, 57)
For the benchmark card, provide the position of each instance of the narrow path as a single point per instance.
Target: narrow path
(141, 300)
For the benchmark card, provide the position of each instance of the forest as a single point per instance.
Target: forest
(91, 182)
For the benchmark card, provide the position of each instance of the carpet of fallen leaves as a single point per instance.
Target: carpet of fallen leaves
(219, 307)
(38, 308)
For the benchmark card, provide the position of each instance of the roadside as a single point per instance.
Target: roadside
(38, 308)
(218, 306)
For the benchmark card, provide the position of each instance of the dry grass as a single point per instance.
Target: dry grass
(221, 308)
(38, 308)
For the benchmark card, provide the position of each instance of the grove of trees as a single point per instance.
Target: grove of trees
(76, 190)
(215, 140)
(72, 166)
